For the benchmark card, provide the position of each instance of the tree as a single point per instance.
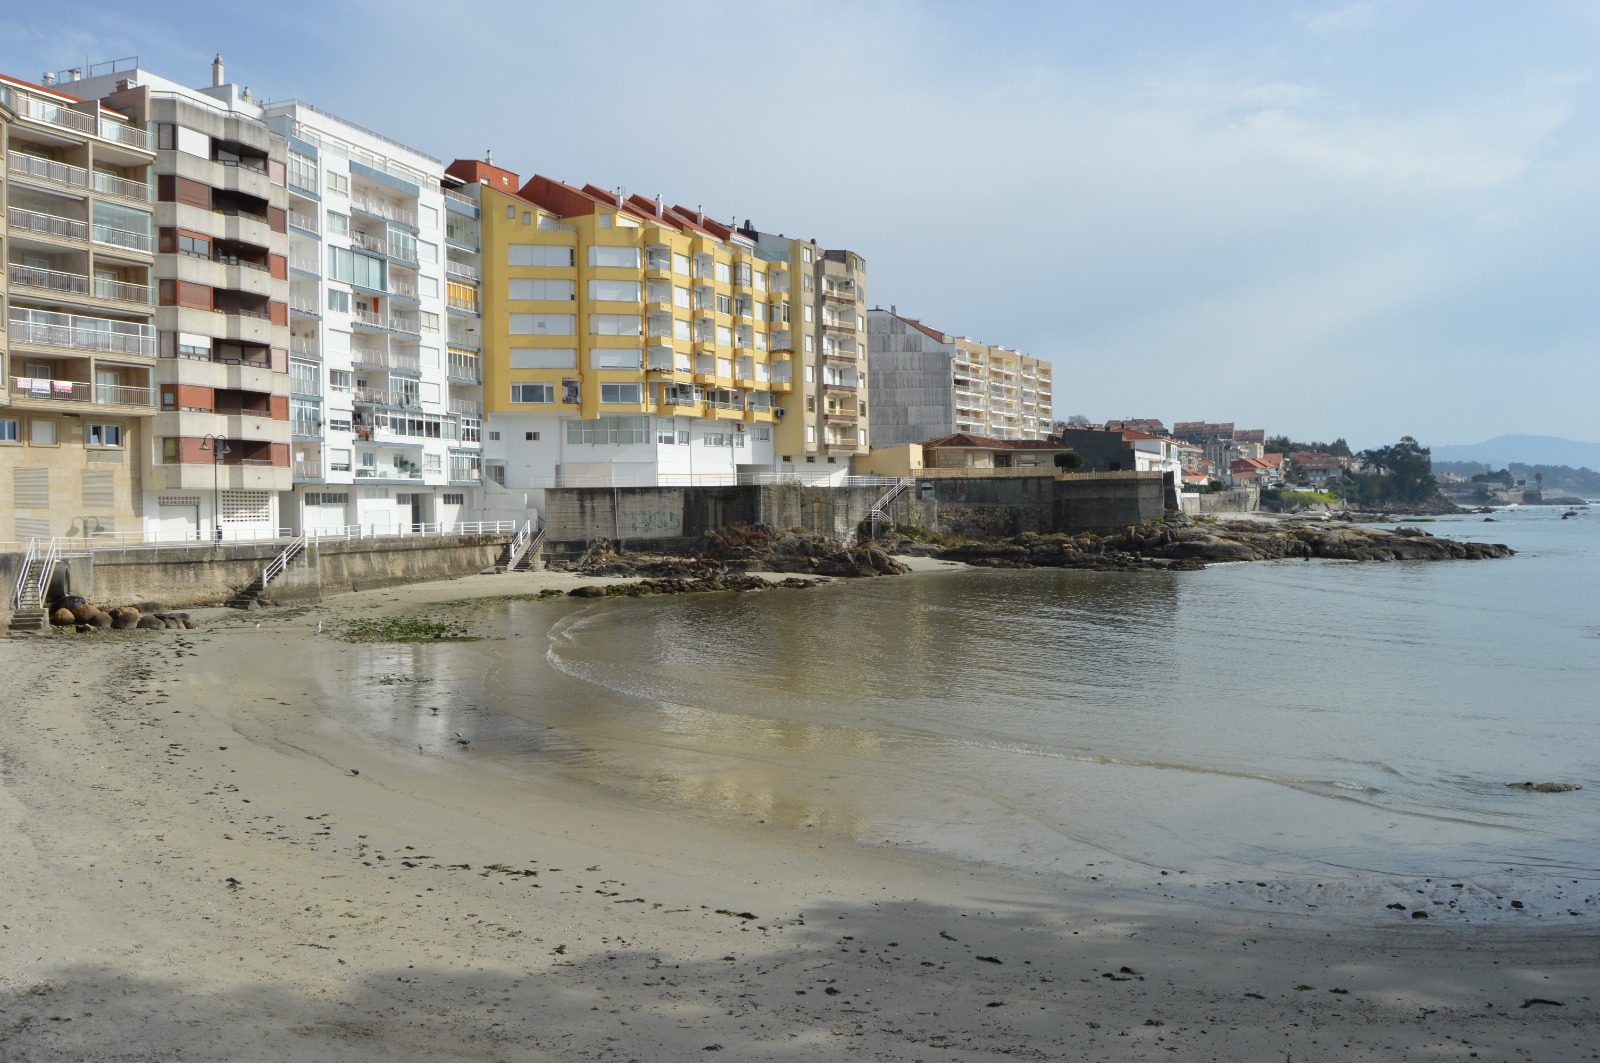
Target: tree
(1397, 475)
(1069, 459)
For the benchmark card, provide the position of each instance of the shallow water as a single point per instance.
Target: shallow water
(1305, 733)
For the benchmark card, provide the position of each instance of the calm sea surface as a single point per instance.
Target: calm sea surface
(1269, 730)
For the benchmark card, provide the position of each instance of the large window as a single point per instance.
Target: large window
(543, 324)
(614, 291)
(609, 430)
(615, 325)
(544, 358)
(629, 393)
(680, 264)
(615, 358)
(614, 257)
(102, 435)
(353, 267)
(524, 288)
(533, 393)
(541, 255)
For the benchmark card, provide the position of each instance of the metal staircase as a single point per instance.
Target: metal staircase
(33, 581)
(253, 593)
(879, 513)
(518, 555)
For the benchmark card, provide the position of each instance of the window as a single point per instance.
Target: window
(338, 184)
(543, 324)
(527, 437)
(614, 291)
(762, 433)
(806, 253)
(811, 404)
(338, 224)
(724, 304)
(615, 358)
(338, 301)
(533, 393)
(680, 329)
(627, 393)
(522, 288)
(811, 435)
(683, 438)
(613, 257)
(339, 460)
(305, 378)
(724, 336)
(541, 255)
(169, 450)
(715, 439)
(194, 246)
(680, 296)
(429, 216)
(9, 430)
(432, 464)
(806, 314)
(811, 345)
(619, 429)
(811, 374)
(741, 274)
(453, 499)
(665, 435)
(338, 380)
(327, 498)
(724, 273)
(680, 264)
(615, 325)
(543, 358)
(42, 433)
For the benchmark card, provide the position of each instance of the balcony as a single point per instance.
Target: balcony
(53, 225)
(405, 363)
(373, 472)
(107, 236)
(80, 393)
(60, 173)
(48, 280)
(462, 270)
(465, 408)
(378, 208)
(44, 329)
(385, 321)
(466, 368)
(112, 185)
(304, 222)
(383, 397)
(839, 294)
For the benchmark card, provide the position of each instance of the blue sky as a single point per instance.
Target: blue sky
(1367, 219)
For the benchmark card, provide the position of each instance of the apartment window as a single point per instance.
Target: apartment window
(811, 404)
(605, 221)
(305, 378)
(806, 314)
(615, 358)
(724, 304)
(339, 460)
(42, 432)
(613, 257)
(327, 498)
(338, 183)
(543, 324)
(523, 288)
(9, 430)
(169, 450)
(622, 393)
(533, 393)
(527, 437)
(338, 302)
(680, 296)
(339, 380)
(451, 499)
(723, 273)
(715, 439)
(741, 274)
(615, 325)
(429, 216)
(511, 212)
(811, 346)
(614, 291)
(620, 429)
(811, 373)
(338, 224)
(680, 329)
(194, 246)
(683, 438)
(806, 253)
(811, 435)
(432, 464)
(761, 282)
(543, 358)
(527, 218)
(762, 433)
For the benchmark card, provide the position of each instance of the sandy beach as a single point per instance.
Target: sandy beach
(193, 866)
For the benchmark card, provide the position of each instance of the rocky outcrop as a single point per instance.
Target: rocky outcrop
(76, 612)
(1180, 544)
(643, 588)
(743, 549)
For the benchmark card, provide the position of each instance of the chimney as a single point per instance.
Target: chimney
(244, 94)
(47, 78)
(216, 71)
(75, 74)
(488, 156)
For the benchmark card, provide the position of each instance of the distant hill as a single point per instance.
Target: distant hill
(1526, 450)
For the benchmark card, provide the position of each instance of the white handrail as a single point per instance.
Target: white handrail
(45, 570)
(281, 562)
(22, 575)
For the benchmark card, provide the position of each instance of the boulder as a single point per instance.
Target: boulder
(150, 623)
(589, 591)
(125, 620)
(83, 612)
(152, 607)
(1545, 787)
(99, 618)
(63, 617)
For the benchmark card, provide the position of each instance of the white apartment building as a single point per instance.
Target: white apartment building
(385, 380)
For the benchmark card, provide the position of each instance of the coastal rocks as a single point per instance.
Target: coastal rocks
(646, 587)
(1545, 787)
(76, 612)
(1177, 544)
(743, 548)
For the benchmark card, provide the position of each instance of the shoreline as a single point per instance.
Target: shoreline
(126, 818)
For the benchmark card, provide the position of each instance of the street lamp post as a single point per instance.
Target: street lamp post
(218, 445)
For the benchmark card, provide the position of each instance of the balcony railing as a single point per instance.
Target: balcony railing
(47, 224)
(466, 408)
(47, 170)
(386, 359)
(55, 114)
(385, 321)
(304, 306)
(305, 346)
(300, 426)
(373, 472)
(48, 329)
(401, 288)
(80, 391)
(111, 237)
(378, 208)
(304, 221)
(130, 135)
(48, 280)
(307, 470)
(465, 367)
(369, 243)
(112, 185)
(122, 291)
(450, 193)
(457, 302)
(461, 269)
(385, 397)
(304, 264)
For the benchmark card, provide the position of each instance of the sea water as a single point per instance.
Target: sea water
(1265, 729)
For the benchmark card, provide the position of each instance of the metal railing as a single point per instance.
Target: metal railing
(466, 408)
(461, 269)
(48, 279)
(386, 359)
(112, 185)
(304, 221)
(281, 562)
(369, 243)
(377, 207)
(22, 574)
(47, 224)
(307, 470)
(81, 333)
(133, 136)
(23, 387)
(47, 169)
(450, 193)
(385, 321)
(122, 291)
(113, 237)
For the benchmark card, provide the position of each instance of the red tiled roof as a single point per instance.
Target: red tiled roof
(933, 334)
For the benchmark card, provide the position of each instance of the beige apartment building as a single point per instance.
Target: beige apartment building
(78, 344)
(926, 384)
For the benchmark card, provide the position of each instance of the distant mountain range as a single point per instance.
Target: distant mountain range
(1527, 450)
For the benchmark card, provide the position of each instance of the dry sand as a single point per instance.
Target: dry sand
(190, 869)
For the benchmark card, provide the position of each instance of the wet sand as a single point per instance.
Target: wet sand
(194, 864)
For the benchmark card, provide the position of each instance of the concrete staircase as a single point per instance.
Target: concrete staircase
(251, 597)
(521, 553)
(28, 614)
